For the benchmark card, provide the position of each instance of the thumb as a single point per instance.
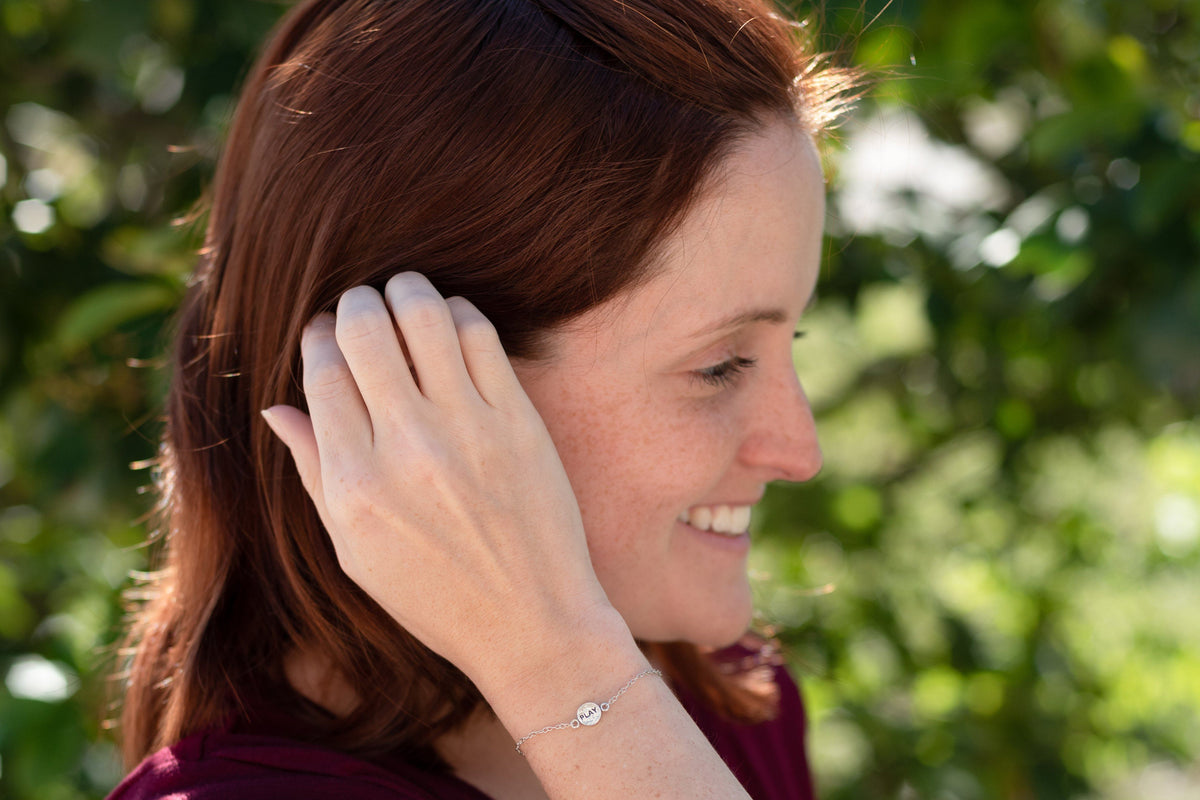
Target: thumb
(295, 429)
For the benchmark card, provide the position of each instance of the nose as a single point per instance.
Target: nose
(782, 442)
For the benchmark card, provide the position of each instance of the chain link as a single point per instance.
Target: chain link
(575, 723)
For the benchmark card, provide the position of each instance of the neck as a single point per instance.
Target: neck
(481, 753)
(313, 676)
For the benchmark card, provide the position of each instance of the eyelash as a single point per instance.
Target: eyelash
(726, 373)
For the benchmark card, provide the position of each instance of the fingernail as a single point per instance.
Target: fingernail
(268, 414)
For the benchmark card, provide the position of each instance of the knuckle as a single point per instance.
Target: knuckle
(358, 293)
(357, 298)
(325, 377)
(321, 327)
(403, 282)
(462, 308)
(357, 323)
(421, 310)
(477, 331)
(349, 564)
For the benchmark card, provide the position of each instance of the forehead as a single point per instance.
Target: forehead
(751, 242)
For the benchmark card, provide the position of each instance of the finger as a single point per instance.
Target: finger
(295, 429)
(339, 416)
(368, 340)
(484, 356)
(429, 334)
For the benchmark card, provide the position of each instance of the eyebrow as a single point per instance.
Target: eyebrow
(774, 316)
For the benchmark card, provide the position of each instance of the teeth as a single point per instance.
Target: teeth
(729, 520)
(722, 520)
(741, 518)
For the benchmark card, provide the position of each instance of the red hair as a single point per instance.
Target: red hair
(525, 154)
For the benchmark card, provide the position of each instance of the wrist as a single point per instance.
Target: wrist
(586, 659)
(590, 712)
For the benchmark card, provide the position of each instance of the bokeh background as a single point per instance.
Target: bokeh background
(993, 589)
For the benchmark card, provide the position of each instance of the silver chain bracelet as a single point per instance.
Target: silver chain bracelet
(589, 713)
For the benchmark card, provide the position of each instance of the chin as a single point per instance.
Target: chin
(721, 636)
(726, 623)
(706, 626)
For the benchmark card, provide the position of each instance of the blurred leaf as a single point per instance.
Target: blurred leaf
(101, 310)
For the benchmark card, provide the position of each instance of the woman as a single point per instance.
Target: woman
(471, 515)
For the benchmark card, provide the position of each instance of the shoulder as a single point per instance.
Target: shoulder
(768, 757)
(233, 766)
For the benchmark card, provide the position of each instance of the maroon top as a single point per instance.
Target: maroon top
(254, 761)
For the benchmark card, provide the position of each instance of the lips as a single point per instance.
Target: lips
(723, 519)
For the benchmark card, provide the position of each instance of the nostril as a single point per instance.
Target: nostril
(813, 468)
(796, 458)
(806, 463)
(783, 441)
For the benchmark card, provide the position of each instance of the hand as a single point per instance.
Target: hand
(437, 482)
(446, 502)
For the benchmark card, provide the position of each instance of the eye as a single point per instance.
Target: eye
(798, 335)
(726, 373)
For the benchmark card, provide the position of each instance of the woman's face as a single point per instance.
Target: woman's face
(674, 405)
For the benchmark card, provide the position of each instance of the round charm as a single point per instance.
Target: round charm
(588, 714)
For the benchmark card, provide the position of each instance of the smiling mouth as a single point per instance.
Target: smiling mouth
(727, 520)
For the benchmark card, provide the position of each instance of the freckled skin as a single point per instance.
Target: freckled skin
(643, 439)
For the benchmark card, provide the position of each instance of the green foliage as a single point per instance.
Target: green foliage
(989, 592)
(990, 589)
(110, 115)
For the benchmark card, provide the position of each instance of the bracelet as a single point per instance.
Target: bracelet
(589, 713)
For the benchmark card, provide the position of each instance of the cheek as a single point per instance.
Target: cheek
(613, 451)
(635, 457)
(636, 461)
